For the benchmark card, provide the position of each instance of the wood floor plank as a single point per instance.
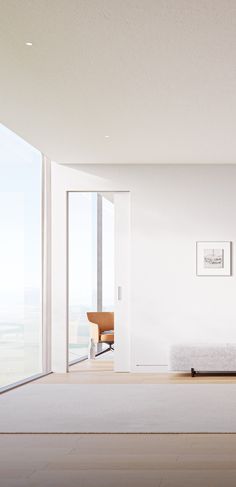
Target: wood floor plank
(204, 460)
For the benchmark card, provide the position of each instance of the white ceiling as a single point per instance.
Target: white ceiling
(157, 76)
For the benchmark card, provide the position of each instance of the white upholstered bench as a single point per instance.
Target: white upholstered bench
(204, 358)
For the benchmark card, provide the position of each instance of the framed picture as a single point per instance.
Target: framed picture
(213, 258)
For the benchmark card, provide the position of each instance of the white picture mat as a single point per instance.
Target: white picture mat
(218, 245)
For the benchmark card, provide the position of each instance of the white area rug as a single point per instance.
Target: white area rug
(119, 408)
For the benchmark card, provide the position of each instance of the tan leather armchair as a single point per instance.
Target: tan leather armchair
(101, 323)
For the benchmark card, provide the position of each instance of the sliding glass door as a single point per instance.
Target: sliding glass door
(20, 259)
(82, 269)
(91, 264)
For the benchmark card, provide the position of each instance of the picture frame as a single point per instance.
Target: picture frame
(213, 258)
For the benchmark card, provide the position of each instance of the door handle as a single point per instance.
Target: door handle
(119, 293)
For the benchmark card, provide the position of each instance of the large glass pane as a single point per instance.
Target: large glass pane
(82, 269)
(20, 259)
(107, 252)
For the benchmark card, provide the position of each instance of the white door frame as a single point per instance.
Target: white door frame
(65, 180)
(122, 275)
(122, 358)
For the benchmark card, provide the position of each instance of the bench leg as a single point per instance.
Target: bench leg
(193, 372)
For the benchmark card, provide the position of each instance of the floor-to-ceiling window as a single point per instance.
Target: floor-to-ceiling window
(91, 264)
(20, 259)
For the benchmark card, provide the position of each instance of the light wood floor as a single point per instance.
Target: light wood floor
(125, 460)
(101, 372)
(118, 460)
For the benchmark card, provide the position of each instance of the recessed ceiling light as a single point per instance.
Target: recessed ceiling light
(29, 43)
(107, 136)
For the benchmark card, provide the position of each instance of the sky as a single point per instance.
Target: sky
(20, 225)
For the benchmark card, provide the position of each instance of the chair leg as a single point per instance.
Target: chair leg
(104, 351)
(109, 349)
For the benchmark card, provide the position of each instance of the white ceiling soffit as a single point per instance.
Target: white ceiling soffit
(121, 81)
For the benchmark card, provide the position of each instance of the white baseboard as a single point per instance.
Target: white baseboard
(153, 368)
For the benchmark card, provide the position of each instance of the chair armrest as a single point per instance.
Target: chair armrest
(94, 332)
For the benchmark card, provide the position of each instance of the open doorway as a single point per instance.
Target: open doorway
(91, 236)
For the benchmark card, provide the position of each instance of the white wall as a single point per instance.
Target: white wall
(171, 208)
